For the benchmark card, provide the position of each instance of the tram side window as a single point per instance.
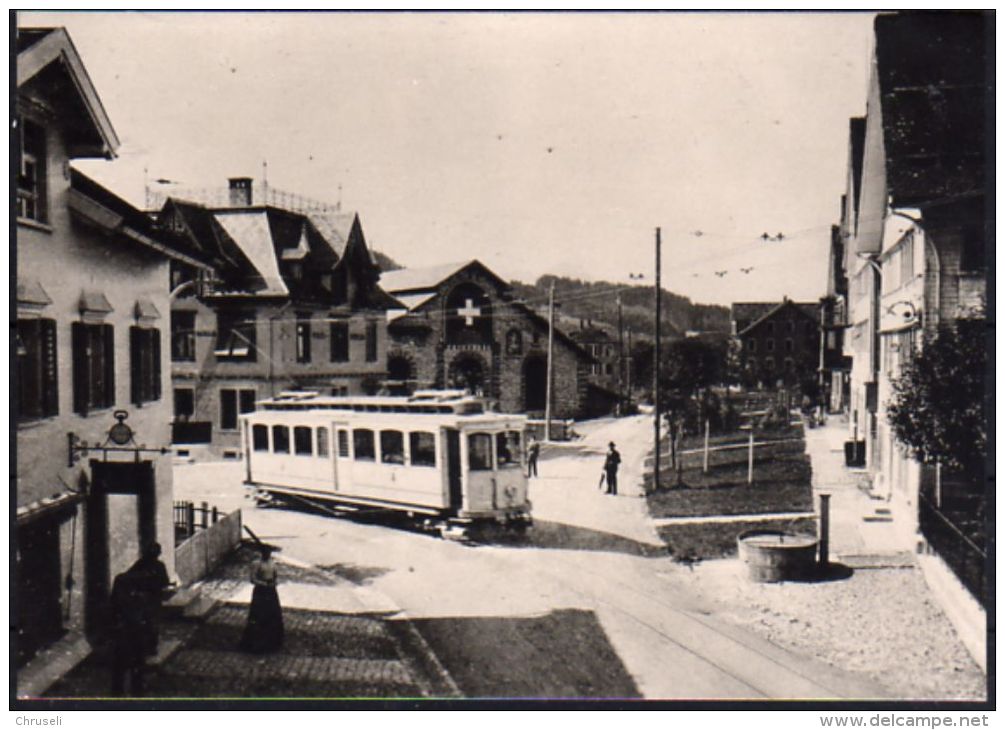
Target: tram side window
(322, 442)
(343, 444)
(260, 437)
(480, 452)
(280, 439)
(302, 441)
(422, 446)
(392, 447)
(362, 444)
(508, 449)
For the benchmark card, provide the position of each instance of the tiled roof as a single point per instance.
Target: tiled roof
(770, 309)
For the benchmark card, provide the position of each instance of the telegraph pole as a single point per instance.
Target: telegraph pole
(621, 361)
(656, 373)
(628, 373)
(551, 352)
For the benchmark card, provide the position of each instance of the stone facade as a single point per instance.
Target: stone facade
(500, 351)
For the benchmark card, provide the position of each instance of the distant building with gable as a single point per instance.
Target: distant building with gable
(460, 327)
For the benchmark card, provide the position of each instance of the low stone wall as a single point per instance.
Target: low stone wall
(202, 552)
(962, 609)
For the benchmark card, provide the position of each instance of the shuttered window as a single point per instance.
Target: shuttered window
(37, 381)
(144, 364)
(233, 402)
(340, 342)
(371, 342)
(93, 366)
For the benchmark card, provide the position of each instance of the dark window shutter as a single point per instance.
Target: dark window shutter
(50, 371)
(247, 401)
(136, 365)
(109, 337)
(81, 367)
(155, 337)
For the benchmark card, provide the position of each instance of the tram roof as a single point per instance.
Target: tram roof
(444, 401)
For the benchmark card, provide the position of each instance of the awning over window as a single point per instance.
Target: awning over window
(32, 293)
(146, 311)
(95, 302)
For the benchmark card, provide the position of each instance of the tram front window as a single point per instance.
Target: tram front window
(392, 447)
(362, 444)
(480, 452)
(423, 448)
(280, 439)
(508, 449)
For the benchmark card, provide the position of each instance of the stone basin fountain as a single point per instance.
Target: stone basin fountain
(772, 556)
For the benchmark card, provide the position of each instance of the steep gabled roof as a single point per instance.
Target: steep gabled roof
(48, 56)
(431, 277)
(335, 227)
(250, 230)
(932, 70)
(810, 310)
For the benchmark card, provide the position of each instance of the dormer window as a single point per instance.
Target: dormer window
(31, 192)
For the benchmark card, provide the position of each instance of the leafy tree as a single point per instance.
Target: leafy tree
(938, 404)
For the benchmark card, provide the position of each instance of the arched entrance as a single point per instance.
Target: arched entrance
(400, 375)
(468, 372)
(535, 383)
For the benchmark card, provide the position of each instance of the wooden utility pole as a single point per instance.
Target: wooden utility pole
(628, 374)
(551, 352)
(621, 361)
(656, 373)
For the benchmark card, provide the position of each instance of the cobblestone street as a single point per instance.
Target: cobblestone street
(325, 654)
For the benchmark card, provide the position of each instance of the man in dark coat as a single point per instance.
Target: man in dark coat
(152, 580)
(129, 629)
(611, 468)
(533, 451)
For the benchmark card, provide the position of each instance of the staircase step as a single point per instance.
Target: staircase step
(188, 603)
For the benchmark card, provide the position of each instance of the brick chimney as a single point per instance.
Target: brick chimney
(240, 191)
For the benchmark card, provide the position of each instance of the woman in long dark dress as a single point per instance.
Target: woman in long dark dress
(264, 630)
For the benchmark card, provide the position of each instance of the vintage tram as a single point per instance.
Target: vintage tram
(437, 456)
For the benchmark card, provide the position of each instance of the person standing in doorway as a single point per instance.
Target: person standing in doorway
(533, 451)
(611, 463)
(263, 633)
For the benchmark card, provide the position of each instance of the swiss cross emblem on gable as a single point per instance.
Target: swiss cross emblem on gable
(469, 311)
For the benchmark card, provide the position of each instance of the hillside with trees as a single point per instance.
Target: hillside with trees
(597, 300)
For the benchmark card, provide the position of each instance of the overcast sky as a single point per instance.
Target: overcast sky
(537, 143)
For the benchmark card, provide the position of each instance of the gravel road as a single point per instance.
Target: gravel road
(880, 622)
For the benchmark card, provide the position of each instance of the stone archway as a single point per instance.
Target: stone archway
(535, 383)
(468, 372)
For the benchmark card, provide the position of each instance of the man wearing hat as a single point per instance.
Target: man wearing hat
(611, 468)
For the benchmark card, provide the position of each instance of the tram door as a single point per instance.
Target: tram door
(454, 468)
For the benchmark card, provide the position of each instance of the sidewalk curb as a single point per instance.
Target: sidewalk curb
(401, 627)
